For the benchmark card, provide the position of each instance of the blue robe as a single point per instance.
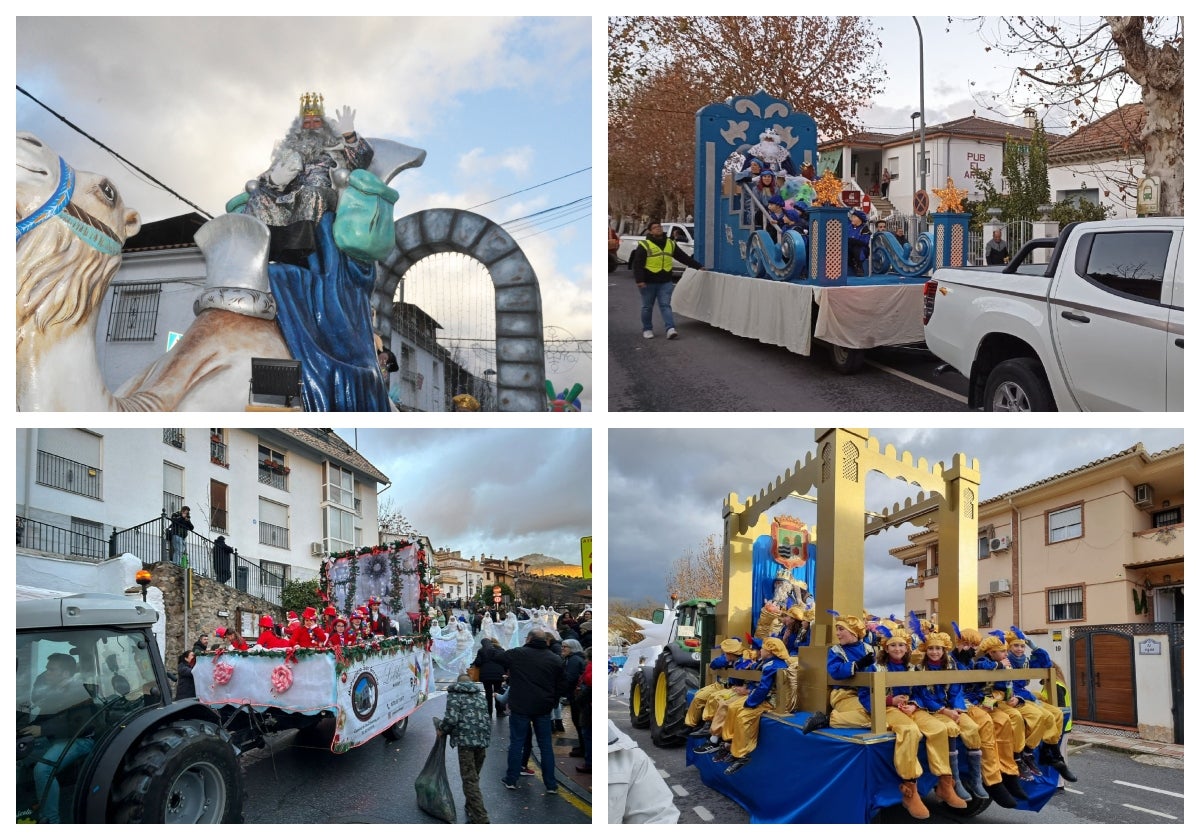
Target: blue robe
(325, 317)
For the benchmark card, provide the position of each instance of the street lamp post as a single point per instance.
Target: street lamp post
(921, 46)
(913, 116)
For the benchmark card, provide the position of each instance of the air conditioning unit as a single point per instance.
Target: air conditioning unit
(1143, 496)
(1001, 543)
(997, 587)
(317, 549)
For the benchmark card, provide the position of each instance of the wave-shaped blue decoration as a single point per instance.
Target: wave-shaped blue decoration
(889, 257)
(787, 260)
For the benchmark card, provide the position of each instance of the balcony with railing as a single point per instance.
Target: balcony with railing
(273, 474)
(220, 520)
(64, 474)
(84, 541)
(218, 453)
(174, 437)
(1156, 545)
(275, 535)
(171, 502)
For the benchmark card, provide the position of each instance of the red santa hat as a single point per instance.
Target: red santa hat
(266, 621)
(373, 601)
(330, 610)
(219, 632)
(310, 614)
(292, 617)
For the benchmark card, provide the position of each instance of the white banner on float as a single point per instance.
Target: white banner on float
(367, 693)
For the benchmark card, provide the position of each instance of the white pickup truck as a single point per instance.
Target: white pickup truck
(1097, 328)
(681, 232)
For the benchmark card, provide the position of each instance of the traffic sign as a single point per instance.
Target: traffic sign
(921, 203)
(585, 551)
(495, 599)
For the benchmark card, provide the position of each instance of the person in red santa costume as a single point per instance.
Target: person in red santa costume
(339, 637)
(330, 616)
(357, 630)
(305, 633)
(379, 623)
(266, 634)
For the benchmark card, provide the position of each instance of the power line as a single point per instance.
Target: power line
(112, 152)
(534, 187)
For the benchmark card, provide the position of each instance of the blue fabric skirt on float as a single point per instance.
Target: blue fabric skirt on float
(325, 317)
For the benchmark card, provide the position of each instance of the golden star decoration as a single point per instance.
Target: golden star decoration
(950, 199)
(829, 189)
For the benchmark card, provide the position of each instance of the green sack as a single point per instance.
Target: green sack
(363, 225)
(434, 796)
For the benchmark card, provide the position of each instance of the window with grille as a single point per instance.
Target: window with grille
(87, 539)
(174, 437)
(1163, 518)
(134, 312)
(272, 523)
(1065, 524)
(272, 467)
(1065, 604)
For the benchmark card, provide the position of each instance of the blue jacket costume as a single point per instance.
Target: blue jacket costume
(762, 690)
(723, 661)
(1019, 687)
(912, 692)
(987, 664)
(934, 698)
(839, 662)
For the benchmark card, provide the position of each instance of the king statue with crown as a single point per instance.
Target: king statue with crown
(324, 217)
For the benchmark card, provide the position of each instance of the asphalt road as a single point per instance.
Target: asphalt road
(709, 369)
(1113, 788)
(291, 782)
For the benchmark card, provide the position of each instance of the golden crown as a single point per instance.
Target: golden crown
(312, 105)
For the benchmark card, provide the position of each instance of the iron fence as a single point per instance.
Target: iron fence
(80, 541)
(64, 474)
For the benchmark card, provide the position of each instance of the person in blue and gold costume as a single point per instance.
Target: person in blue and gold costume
(706, 699)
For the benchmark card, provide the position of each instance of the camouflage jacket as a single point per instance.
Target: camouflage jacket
(467, 721)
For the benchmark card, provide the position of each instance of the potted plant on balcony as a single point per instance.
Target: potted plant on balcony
(215, 438)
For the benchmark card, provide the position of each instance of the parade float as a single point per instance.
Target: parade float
(784, 277)
(841, 775)
(368, 688)
(301, 274)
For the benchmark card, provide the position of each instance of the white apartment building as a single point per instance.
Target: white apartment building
(283, 497)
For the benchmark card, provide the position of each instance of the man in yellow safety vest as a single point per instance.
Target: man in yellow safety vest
(651, 263)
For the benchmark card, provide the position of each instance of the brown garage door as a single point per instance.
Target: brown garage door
(1103, 682)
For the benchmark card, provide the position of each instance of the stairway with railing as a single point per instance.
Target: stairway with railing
(150, 542)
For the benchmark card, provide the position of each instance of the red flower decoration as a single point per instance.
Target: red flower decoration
(222, 673)
(281, 678)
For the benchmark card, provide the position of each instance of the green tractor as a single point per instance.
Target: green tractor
(660, 691)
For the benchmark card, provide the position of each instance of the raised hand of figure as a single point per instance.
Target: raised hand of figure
(345, 120)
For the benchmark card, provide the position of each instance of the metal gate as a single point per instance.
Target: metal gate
(1016, 234)
(1103, 675)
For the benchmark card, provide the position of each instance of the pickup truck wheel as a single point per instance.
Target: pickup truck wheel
(1017, 385)
(185, 772)
(396, 731)
(846, 360)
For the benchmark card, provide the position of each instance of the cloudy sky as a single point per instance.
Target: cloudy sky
(666, 487)
(502, 491)
(499, 104)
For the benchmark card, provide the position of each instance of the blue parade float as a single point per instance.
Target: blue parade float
(787, 287)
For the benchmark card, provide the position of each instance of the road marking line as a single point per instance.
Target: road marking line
(1073, 790)
(663, 772)
(579, 804)
(916, 381)
(1152, 790)
(680, 790)
(703, 813)
(1148, 811)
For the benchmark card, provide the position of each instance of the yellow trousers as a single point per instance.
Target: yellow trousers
(721, 724)
(698, 708)
(744, 725)
(991, 763)
(1054, 731)
(848, 713)
(1016, 725)
(1038, 723)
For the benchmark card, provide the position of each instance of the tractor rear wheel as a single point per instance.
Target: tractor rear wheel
(672, 681)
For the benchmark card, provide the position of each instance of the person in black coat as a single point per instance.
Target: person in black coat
(185, 685)
(573, 664)
(222, 556)
(535, 677)
(491, 672)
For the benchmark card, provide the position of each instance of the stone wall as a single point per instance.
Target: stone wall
(209, 600)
